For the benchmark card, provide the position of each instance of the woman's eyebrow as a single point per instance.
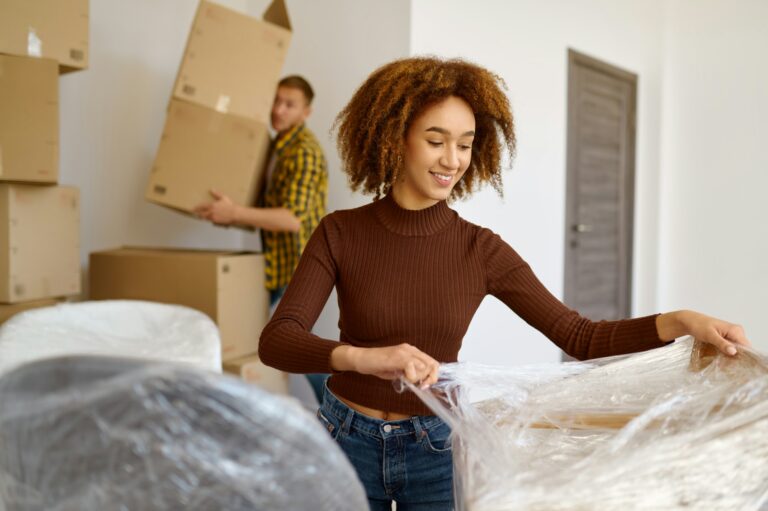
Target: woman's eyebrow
(444, 131)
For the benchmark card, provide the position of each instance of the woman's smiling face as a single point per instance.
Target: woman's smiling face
(438, 150)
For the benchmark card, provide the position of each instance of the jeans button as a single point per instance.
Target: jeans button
(387, 428)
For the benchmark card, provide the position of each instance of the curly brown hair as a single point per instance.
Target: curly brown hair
(373, 126)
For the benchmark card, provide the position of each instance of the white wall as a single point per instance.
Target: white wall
(714, 238)
(526, 42)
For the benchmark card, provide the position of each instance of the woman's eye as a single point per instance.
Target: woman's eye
(433, 143)
(465, 147)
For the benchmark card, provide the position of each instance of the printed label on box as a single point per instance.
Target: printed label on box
(34, 44)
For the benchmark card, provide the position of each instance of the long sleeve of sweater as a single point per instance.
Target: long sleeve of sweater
(287, 342)
(511, 280)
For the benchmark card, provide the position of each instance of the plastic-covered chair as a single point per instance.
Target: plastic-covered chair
(129, 328)
(100, 433)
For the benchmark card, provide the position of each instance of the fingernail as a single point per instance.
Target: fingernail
(731, 350)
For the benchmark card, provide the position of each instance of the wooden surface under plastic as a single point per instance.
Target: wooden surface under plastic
(702, 356)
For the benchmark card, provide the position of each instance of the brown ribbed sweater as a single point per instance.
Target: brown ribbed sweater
(418, 277)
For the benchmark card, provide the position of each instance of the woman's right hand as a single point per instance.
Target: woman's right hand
(388, 363)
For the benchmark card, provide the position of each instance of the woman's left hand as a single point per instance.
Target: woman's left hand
(721, 334)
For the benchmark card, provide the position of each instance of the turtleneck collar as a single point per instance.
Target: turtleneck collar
(408, 222)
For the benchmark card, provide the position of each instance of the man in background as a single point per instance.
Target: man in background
(294, 196)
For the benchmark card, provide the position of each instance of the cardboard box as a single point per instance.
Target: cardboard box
(29, 119)
(232, 62)
(39, 242)
(55, 29)
(203, 149)
(227, 286)
(253, 370)
(7, 311)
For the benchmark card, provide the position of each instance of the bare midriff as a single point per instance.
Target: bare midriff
(373, 412)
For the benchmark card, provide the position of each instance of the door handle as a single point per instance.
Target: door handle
(582, 228)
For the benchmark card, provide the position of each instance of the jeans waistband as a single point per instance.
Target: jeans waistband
(349, 419)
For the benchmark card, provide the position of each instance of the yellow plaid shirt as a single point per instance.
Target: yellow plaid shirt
(299, 182)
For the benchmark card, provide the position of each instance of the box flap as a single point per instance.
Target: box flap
(277, 14)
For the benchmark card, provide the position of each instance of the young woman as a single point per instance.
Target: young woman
(410, 274)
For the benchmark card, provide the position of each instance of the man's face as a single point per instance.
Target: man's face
(289, 109)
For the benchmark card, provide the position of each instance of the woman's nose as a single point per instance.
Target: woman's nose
(450, 158)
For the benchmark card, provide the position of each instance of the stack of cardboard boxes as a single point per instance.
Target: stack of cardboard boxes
(39, 220)
(215, 134)
(215, 137)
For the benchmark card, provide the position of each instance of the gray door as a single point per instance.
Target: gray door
(600, 188)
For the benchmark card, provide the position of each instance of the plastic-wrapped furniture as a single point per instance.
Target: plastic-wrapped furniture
(100, 433)
(679, 427)
(129, 328)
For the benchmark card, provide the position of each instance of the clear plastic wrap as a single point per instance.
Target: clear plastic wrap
(129, 328)
(117, 434)
(679, 427)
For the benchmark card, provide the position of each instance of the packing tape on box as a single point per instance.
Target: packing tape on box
(34, 44)
(1, 160)
(222, 105)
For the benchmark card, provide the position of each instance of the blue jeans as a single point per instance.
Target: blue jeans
(408, 461)
(317, 382)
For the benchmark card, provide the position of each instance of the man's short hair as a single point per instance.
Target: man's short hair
(298, 82)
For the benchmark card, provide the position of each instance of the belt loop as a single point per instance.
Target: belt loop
(346, 426)
(417, 426)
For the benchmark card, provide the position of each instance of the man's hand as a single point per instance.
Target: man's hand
(222, 211)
